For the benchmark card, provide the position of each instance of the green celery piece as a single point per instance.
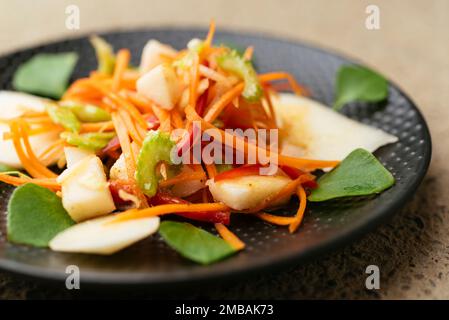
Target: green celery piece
(156, 147)
(105, 55)
(63, 116)
(88, 112)
(194, 243)
(5, 168)
(244, 69)
(35, 216)
(45, 74)
(359, 174)
(356, 83)
(91, 141)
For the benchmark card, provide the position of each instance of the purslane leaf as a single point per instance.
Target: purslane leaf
(35, 216)
(194, 243)
(356, 83)
(45, 74)
(359, 174)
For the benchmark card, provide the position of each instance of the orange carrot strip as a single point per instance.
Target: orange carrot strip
(121, 63)
(131, 127)
(133, 111)
(277, 220)
(167, 209)
(210, 34)
(140, 102)
(29, 166)
(214, 111)
(248, 54)
(177, 120)
(130, 159)
(194, 80)
(297, 88)
(229, 237)
(299, 163)
(211, 170)
(18, 181)
(97, 126)
(302, 208)
(48, 173)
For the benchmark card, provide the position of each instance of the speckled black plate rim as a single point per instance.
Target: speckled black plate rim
(156, 282)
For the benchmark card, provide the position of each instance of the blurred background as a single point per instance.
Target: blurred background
(411, 48)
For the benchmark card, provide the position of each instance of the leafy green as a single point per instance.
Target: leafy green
(156, 147)
(63, 116)
(359, 174)
(356, 83)
(35, 216)
(105, 55)
(88, 112)
(46, 74)
(91, 141)
(244, 69)
(194, 243)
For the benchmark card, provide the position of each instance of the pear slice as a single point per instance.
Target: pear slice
(100, 236)
(247, 191)
(311, 130)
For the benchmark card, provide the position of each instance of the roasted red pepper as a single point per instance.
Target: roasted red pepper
(115, 186)
(245, 170)
(210, 216)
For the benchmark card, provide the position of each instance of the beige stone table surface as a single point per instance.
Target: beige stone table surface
(411, 47)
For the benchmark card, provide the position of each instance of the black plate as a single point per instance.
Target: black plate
(152, 262)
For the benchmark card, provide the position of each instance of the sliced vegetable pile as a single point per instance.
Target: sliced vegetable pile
(92, 160)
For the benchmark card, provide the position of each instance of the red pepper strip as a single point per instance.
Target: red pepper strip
(111, 148)
(201, 103)
(210, 216)
(115, 186)
(245, 170)
(186, 144)
(294, 173)
(153, 122)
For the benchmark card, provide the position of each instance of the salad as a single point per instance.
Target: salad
(187, 138)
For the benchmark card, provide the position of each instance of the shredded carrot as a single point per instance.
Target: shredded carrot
(194, 79)
(17, 181)
(302, 208)
(299, 163)
(210, 35)
(182, 177)
(211, 170)
(167, 209)
(177, 120)
(102, 126)
(229, 237)
(215, 110)
(277, 220)
(299, 90)
(121, 63)
(130, 160)
(248, 54)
